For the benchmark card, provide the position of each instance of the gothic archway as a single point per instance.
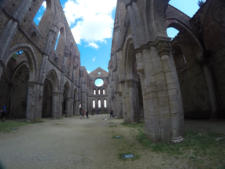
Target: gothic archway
(47, 99)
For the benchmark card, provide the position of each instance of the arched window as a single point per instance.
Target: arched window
(99, 91)
(99, 104)
(105, 103)
(172, 32)
(103, 92)
(94, 92)
(39, 15)
(93, 104)
(57, 40)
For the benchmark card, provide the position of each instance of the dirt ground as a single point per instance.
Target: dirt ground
(74, 143)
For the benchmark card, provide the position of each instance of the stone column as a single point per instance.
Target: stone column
(161, 92)
(69, 107)
(56, 105)
(212, 93)
(43, 68)
(175, 109)
(132, 106)
(1, 71)
(34, 101)
(10, 29)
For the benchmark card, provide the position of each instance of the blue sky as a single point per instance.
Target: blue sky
(91, 23)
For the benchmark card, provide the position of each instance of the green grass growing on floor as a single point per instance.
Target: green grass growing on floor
(9, 126)
(197, 146)
(198, 143)
(133, 125)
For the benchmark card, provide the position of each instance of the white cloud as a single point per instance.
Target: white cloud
(94, 45)
(92, 18)
(44, 5)
(93, 59)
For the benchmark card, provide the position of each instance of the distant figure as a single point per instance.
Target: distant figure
(87, 114)
(111, 114)
(3, 113)
(84, 113)
(81, 113)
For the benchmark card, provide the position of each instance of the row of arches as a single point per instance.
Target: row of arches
(19, 76)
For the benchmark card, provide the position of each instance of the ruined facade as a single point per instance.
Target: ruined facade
(161, 80)
(39, 64)
(98, 94)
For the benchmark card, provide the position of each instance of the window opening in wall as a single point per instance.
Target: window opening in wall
(99, 73)
(103, 92)
(99, 92)
(93, 104)
(99, 104)
(57, 40)
(105, 103)
(99, 82)
(94, 92)
(172, 32)
(39, 15)
(18, 53)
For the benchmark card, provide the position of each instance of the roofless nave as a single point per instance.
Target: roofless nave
(150, 77)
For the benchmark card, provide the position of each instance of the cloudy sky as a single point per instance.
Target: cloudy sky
(91, 23)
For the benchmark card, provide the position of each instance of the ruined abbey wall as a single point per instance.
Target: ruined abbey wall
(161, 80)
(38, 77)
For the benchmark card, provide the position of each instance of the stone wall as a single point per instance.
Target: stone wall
(98, 95)
(57, 65)
(173, 76)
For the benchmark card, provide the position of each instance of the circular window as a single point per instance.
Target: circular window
(99, 82)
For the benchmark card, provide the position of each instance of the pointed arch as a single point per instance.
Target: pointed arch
(31, 58)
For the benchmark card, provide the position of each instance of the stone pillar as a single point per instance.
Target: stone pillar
(56, 105)
(1, 71)
(6, 37)
(212, 93)
(43, 68)
(10, 29)
(34, 101)
(69, 107)
(132, 107)
(161, 92)
(173, 87)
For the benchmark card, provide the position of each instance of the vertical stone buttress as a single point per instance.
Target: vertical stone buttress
(11, 27)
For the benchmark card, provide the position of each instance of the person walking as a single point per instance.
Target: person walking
(81, 113)
(3, 113)
(111, 114)
(87, 114)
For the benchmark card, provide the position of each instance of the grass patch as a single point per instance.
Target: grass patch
(9, 126)
(198, 143)
(202, 149)
(133, 125)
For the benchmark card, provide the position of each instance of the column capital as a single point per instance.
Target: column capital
(163, 46)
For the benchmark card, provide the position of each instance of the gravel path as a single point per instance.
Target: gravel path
(58, 144)
(74, 143)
